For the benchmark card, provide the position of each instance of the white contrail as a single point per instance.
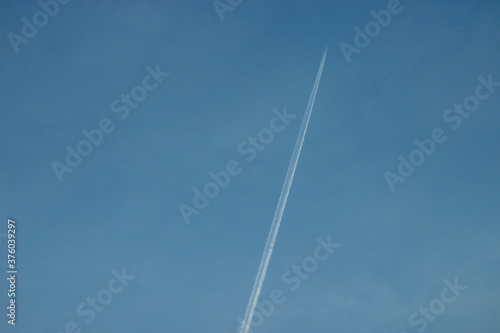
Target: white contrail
(278, 214)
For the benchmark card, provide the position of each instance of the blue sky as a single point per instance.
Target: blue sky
(119, 207)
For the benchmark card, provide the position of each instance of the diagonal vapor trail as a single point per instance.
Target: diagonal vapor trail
(278, 214)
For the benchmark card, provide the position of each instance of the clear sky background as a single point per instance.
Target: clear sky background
(119, 207)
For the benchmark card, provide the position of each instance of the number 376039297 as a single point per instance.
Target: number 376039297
(11, 246)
